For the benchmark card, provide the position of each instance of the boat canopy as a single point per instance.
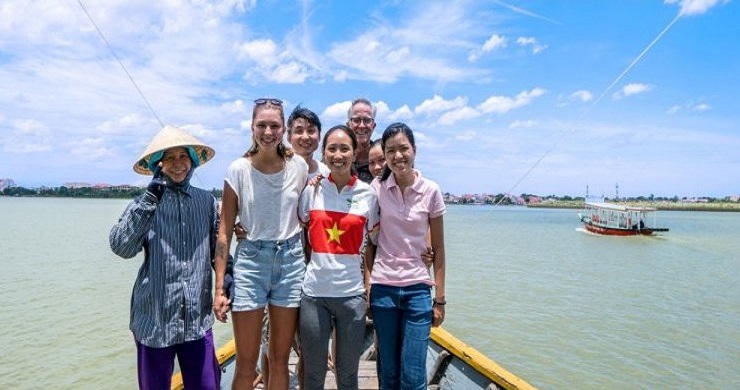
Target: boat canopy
(618, 207)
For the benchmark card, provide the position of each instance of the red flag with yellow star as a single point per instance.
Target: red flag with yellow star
(335, 232)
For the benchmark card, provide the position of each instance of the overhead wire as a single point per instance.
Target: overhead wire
(130, 77)
(118, 59)
(591, 106)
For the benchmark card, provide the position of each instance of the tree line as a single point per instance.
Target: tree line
(83, 192)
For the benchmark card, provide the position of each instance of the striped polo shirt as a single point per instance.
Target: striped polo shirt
(172, 300)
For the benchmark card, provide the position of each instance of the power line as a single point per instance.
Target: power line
(113, 52)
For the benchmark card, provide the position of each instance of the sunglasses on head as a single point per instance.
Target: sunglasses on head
(275, 102)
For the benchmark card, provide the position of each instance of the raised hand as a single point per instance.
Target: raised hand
(157, 185)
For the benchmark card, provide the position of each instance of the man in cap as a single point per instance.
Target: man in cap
(176, 225)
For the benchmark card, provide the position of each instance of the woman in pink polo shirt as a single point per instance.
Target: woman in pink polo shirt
(399, 282)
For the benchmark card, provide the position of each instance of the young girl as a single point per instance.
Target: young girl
(338, 211)
(262, 188)
(400, 294)
(376, 158)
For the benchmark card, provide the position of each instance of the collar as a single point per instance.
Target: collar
(182, 187)
(416, 186)
(350, 183)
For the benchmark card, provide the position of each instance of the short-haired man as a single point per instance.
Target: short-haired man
(175, 224)
(361, 120)
(304, 135)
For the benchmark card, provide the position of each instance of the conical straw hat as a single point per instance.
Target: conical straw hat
(170, 137)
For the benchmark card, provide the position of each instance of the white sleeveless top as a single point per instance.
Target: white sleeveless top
(268, 204)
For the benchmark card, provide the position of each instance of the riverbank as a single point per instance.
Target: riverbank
(662, 205)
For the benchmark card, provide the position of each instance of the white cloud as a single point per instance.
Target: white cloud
(425, 41)
(127, 124)
(89, 149)
(337, 112)
(631, 89)
(404, 113)
(266, 60)
(582, 95)
(466, 135)
(531, 41)
(695, 7)
(235, 107)
(674, 109)
(438, 104)
(30, 127)
(523, 124)
(458, 115)
(702, 107)
(689, 106)
(504, 104)
(494, 42)
(381, 109)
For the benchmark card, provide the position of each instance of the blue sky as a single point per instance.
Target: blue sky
(535, 96)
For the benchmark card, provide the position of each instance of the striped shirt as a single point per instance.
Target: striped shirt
(171, 302)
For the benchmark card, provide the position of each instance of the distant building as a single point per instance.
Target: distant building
(6, 183)
(77, 184)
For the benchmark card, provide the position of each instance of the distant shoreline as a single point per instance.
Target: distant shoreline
(661, 206)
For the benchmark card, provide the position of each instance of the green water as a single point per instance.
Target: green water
(554, 305)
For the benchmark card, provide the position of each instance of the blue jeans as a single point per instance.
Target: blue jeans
(403, 321)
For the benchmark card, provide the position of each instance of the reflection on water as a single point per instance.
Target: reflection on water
(560, 308)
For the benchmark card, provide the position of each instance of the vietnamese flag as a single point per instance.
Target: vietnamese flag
(336, 232)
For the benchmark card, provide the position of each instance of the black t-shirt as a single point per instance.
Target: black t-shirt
(363, 172)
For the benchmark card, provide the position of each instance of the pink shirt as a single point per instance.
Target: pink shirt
(404, 223)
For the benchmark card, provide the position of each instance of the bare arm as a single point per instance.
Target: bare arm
(229, 207)
(368, 262)
(436, 226)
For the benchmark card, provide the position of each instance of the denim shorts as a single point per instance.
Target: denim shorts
(268, 272)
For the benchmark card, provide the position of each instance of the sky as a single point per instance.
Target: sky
(531, 96)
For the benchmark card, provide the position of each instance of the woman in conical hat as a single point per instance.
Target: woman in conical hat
(175, 224)
(169, 137)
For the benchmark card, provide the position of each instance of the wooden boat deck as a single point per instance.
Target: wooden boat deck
(368, 379)
(451, 364)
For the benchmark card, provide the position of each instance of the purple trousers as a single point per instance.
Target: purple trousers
(197, 360)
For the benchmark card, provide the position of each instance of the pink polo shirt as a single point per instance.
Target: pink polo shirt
(404, 222)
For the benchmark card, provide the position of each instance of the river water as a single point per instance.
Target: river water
(557, 306)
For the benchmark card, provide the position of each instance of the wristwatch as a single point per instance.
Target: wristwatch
(439, 302)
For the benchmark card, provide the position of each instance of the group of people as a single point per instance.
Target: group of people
(322, 242)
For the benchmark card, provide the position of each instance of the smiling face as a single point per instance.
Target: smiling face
(268, 128)
(176, 164)
(361, 122)
(339, 152)
(304, 137)
(400, 154)
(376, 160)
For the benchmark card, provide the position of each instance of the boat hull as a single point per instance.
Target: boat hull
(451, 364)
(609, 231)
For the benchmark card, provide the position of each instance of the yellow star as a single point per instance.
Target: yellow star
(334, 233)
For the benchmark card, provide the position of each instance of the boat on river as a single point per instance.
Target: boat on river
(619, 220)
(451, 365)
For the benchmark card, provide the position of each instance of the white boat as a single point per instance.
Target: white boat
(619, 220)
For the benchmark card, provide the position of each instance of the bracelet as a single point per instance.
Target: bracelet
(439, 302)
